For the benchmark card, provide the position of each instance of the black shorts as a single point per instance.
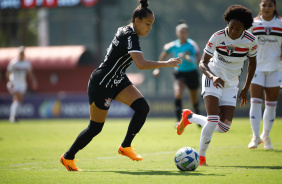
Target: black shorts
(191, 79)
(102, 96)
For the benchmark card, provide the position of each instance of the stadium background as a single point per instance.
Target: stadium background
(62, 91)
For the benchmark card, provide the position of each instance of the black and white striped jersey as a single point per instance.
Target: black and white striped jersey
(118, 57)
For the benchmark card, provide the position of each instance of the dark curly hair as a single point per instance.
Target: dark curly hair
(240, 13)
(141, 11)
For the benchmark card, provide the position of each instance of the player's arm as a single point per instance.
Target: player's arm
(217, 81)
(143, 64)
(162, 57)
(8, 74)
(33, 80)
(250, 74)
(198, 57)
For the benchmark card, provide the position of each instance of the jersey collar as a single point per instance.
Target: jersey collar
(274, 17)
(240, 37)
(132, 28)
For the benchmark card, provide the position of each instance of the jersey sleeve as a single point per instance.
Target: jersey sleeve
(168, 48)
(132, 43)
(211, 45)
(11, 65)
(253, 49)
(195, 45)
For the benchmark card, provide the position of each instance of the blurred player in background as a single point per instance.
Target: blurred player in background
(16, 73)
(109, 82)
(267, 27)
(221, 64)
(186, 74)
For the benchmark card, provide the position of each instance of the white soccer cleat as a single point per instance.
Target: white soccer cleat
(267, 143)
(254, 142)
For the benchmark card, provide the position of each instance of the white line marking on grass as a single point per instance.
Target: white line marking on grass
(121, 157)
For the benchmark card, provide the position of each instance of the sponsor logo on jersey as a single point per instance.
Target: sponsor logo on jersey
(115, 41)
(222, 43)
(230, 49)
(117, 82)
(108, 102)
(234, 96)
(222, 59)
(262, 40)
(268, 30)
(129, 43)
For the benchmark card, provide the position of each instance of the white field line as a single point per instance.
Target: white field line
(121, 157)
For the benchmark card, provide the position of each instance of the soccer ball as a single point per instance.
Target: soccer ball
(186, 159)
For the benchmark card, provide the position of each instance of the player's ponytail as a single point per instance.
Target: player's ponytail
(144, 3)
(141, 11)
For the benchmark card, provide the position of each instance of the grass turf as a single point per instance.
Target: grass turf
(30, 152)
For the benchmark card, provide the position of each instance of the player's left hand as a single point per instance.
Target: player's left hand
(243, 96)
(174, 62)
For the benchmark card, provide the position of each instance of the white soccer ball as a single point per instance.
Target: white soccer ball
(186, 159)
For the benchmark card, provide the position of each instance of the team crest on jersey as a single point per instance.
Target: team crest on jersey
(230, 49)
(108, 102)
(268, 30)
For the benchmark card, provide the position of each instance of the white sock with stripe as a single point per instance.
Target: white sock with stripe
(268, 117)
(207, 133)
(198, 119)
(255, 115)
(222, 127)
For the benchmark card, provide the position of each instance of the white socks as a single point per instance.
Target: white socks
(268, 117)
(198, 119)
(222, 127)
(206, 134)
(255, 115)
(13, 110)
(202, 120)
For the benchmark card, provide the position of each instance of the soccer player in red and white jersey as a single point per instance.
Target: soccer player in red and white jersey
(267, 27)
(16, 73)
(221, 64)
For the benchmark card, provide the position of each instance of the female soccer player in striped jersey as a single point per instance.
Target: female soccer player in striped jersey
(221, 64)
(267, 27)
(109, 82)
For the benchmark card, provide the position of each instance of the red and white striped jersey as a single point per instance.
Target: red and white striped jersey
(269, 36)
(229, 55)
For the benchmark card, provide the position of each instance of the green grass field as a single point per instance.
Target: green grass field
(30, 152)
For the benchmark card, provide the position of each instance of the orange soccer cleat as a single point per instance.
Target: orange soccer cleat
(203, 161)
(69, 164)
(129, 152)
(184, 121)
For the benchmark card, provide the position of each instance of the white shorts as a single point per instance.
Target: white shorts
(267, 79)
(227, 96)
(20, 88)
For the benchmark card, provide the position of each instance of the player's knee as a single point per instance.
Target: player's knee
(95, 128)
(140, 106)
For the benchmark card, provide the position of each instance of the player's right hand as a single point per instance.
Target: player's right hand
(218, 82)
(174, 62)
